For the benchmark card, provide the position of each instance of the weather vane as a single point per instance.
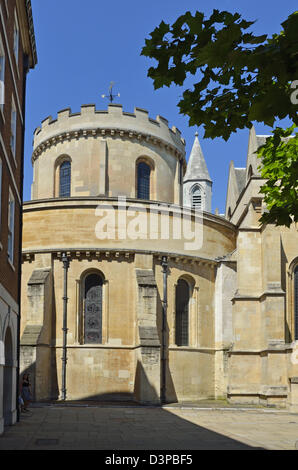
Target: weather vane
(110, 96)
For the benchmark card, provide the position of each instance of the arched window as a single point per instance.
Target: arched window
(93, 309)
(196, 198)
(182, 312)
(296, 302)
(65, 179)
(143, 181)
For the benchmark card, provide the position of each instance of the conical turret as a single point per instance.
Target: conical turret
(197, 184)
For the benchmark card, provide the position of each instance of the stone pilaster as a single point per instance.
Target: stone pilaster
(147, 386)
(35, 353)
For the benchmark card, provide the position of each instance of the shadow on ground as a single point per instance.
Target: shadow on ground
(110, 426)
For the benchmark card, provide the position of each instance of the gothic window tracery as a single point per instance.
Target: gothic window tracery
(93, 309)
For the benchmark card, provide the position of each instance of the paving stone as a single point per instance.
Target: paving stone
(152, 428)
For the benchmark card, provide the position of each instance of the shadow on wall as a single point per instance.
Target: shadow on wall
(54, 389)
(284, 262)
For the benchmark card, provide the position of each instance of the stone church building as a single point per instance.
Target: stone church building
(132, 289)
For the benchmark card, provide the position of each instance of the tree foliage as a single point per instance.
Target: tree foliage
(239, 78)
(280, 169)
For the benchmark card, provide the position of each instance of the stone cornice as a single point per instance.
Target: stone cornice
(106, 132)
(263, 295)
(27, 30)
(117, 255)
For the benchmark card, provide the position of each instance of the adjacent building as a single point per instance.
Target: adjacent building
(17, 56)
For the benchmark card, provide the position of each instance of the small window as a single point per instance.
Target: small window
(16, 39)
(182, 312)
(65, 179)
(11, 216)
(13, 137)
(143, 175)
(296, 302)
(196, 199)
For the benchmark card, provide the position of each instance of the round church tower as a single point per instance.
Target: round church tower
(105, 239)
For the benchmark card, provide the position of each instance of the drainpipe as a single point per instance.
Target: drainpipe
(65, 262)
(164, 264)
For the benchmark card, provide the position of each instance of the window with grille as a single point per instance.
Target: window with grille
(296, 301)
(93, 309)
(65, 179)
(196, 201)
(182, 313)
(143, 188)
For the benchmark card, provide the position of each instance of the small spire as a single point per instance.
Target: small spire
(196, 167)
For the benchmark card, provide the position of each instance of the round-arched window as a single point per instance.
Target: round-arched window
(143, 181)
(65, 179)
(182, 312)
(93, 308)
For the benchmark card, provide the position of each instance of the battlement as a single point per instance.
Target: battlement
(90, 120)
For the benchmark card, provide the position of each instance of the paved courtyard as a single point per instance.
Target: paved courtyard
(55, 426)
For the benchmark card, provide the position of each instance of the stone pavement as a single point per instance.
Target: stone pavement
(119, 427)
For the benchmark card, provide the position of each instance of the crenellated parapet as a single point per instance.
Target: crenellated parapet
(114, 122)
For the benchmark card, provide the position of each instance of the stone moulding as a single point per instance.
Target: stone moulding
(116, 254)
(271, 348)
(92, 201)
(101, 131)
(257, 390)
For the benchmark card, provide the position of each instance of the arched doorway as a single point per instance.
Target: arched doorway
(8, 379)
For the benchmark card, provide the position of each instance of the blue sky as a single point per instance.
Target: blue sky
(82, 46)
